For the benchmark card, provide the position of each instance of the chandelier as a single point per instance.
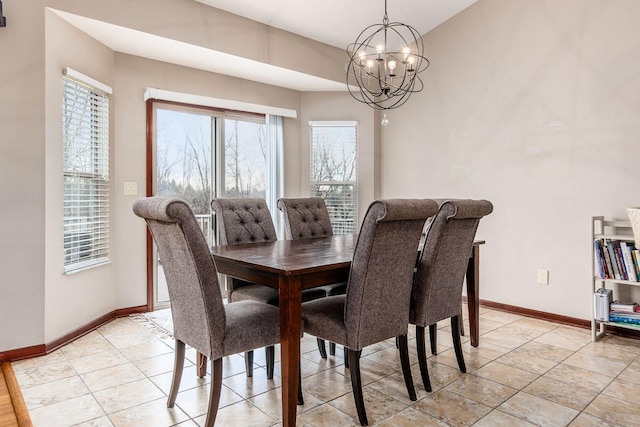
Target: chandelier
(384, 63)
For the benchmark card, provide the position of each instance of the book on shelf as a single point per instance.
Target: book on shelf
(620, 318)
(626, 248)
(616, 259)
(624, 307)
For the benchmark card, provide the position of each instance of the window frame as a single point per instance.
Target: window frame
(85, 172)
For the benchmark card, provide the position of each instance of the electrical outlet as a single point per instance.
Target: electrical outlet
(130, 188)
(543, 277)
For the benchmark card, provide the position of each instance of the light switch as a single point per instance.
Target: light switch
(130, 188)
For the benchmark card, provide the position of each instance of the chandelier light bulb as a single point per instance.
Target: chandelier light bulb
(385, 120)
(380, 48)
(405, 52)
(392, 65)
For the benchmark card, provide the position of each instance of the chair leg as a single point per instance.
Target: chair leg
(422, 357)
(406, 366)
(300, 398)
(270, 355)
(214, 394)
(356, 385)
(457, 343)
(201, 365)
(332, 348)
(433, 338)
(461, 324)
(248, 363)
(178, 366)
(346, 357)
(321, 348)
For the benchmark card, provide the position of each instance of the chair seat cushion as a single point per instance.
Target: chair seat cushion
(250, 325)
(269, 295)
(259, 293)
(335, 289)
(324, 318)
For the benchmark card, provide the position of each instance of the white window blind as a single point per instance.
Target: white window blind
(334, 172)
(85, 132)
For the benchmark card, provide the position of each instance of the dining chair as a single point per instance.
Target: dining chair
(441, 268)
(305, 218)
(243, 221)
(200, 319)
(376, 304)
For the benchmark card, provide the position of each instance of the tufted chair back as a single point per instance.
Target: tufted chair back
(437, 287)
(244, 221)
(305, 217)
(196, 301)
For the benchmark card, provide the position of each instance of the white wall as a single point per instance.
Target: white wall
(39, 304)
(533, 105)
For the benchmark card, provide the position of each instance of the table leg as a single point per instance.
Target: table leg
(473, 297)
(290, 292)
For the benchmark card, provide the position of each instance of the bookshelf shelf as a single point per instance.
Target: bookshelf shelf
(606, 231)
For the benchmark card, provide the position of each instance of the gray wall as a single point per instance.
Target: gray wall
(534, 105)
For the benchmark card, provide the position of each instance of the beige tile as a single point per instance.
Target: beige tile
(243, 413)
(496, 418)
(67, 413)
(472, 361)
(150, 414)
(571, 395)
(624, 390)
(574, 375)
(632, 372)
(251, 386)
(481, 390)
(452, 408)
(611, 351)
(506, 375)
(499, 316)
(112, 377)
(188, 381)
(44, 374)
(54, 392)
(326, 416)
(485, 350)
(51, 358)
(127, 395)
(559, 338)
(194, 402)
(271, 403)
(394, 386)
(97, 422)
(487, 325)
(504, 338)
(327, 385)
(378, 406)
(586, 420)
(595, 363)
(147, 347)
(523, 360)
(95, 362)
(157, 365)
(440, 375)
(91, 344)
(537, 410)
(546, 351)
(411, 417)
(614, 410)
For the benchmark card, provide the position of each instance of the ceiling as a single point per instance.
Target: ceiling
(334, 22)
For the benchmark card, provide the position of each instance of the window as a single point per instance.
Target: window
(85, 134)
(334, 172)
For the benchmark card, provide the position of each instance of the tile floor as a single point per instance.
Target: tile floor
(526, 372)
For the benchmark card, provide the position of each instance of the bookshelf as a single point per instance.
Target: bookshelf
(614, 231)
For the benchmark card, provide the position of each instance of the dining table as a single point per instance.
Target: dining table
(294, 265)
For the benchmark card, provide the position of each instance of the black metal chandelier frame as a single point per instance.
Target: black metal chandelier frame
(384, 77)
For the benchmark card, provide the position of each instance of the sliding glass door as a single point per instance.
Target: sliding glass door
(201, 153)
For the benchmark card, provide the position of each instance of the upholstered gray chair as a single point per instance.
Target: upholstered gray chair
(305, 218)
(437, 286)
(200, 319)
(376, 305)
(243, 221)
